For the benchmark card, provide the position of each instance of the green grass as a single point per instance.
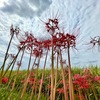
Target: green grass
(15, 95)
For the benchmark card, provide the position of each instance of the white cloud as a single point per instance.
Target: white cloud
(73, 13)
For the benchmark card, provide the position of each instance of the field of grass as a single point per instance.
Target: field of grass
(90, 74)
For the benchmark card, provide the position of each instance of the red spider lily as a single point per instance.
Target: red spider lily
(37, 52)
(60, 90)
(28, 42)
(14, 30)
(81, 81)
(52, 25)
(46, 44)
(5, 80)
(64, 40)
(95, 41)
(30, 81)
(19, 63)
(12, 56)
(97, 78)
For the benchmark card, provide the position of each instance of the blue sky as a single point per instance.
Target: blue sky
(83, 14)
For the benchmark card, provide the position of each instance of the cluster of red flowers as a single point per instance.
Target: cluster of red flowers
(60, 90)
(64, 40)
(30, 81)
(59, 39)
(97, 78)
(81, 81)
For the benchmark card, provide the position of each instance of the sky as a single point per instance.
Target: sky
(73, 14)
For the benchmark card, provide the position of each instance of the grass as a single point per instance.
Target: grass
(5, 89)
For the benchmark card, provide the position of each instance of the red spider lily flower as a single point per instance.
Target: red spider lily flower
(5, 80)
(60, 90)
(97, 78)
(61, 40)
(12, 56)
(70, 40)
(37, 52)
(31, 81)
(52, 25)
(14, 30)
(46, 44)
(81, 81)
(95, 41)
(28, 42)
(22, 42)
(19, 63)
